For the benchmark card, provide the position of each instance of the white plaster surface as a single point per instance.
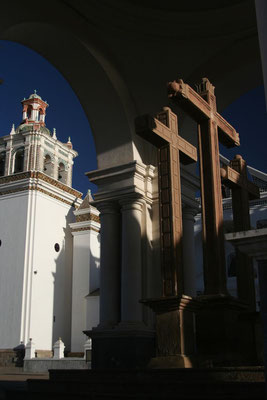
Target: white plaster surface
(85, 282)
(35, 280)
(51, 284)
(13, 222)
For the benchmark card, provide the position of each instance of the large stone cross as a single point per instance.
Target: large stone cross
(162, 132)
(243, 190)
(212, 128)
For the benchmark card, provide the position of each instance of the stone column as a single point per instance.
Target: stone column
(129, 344)
(131, 268)
(7, 162)
(109, 264)
(189, 262)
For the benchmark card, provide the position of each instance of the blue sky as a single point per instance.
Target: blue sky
(23, 70)
(248, 116)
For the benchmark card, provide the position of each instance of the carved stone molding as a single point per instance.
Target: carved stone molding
(54, 196)
(85, 228)
(39, 175)
(87, 217)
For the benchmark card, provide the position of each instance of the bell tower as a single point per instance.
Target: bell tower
(36, 207)
(32, 146)
(34, 110)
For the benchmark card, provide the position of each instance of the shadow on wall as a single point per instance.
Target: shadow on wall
(92, 298)
(63, 286)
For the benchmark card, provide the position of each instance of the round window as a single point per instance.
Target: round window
(57, 247)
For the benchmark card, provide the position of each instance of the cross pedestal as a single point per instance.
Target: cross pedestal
(175, 331)
(225, 332)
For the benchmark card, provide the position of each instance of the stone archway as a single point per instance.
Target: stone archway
(100, 95)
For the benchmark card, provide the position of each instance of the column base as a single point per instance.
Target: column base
(225, 336)
(175, 331)
(124, 347)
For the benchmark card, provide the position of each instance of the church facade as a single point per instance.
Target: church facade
(42, 219)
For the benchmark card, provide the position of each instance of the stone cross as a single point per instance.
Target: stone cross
(162, 131)
(212, 128)
(243, 190)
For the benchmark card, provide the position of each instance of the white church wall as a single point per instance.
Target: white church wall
(86, 263)
(13, 222)
(80, 287)
(51, 273)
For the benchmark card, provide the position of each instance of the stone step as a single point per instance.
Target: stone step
(236, 392)
(223, 374)
(185, 384)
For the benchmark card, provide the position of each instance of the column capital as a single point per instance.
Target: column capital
(107, 207)
(132, 203)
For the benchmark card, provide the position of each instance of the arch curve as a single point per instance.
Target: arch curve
(102, 95)
(117, 73)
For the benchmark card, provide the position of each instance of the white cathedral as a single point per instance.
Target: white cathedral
(49, 239)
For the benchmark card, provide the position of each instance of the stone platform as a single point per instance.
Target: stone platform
(42, 365)
(220, 383)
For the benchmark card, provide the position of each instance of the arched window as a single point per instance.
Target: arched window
(19, 160)
(40, 115)
(2, 163)
(29, 112)
(48, 166)
(62, 173)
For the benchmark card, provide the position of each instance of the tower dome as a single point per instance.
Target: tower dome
(35, 96)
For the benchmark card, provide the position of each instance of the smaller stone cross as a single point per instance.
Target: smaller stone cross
(243, 190)
(162, 132)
